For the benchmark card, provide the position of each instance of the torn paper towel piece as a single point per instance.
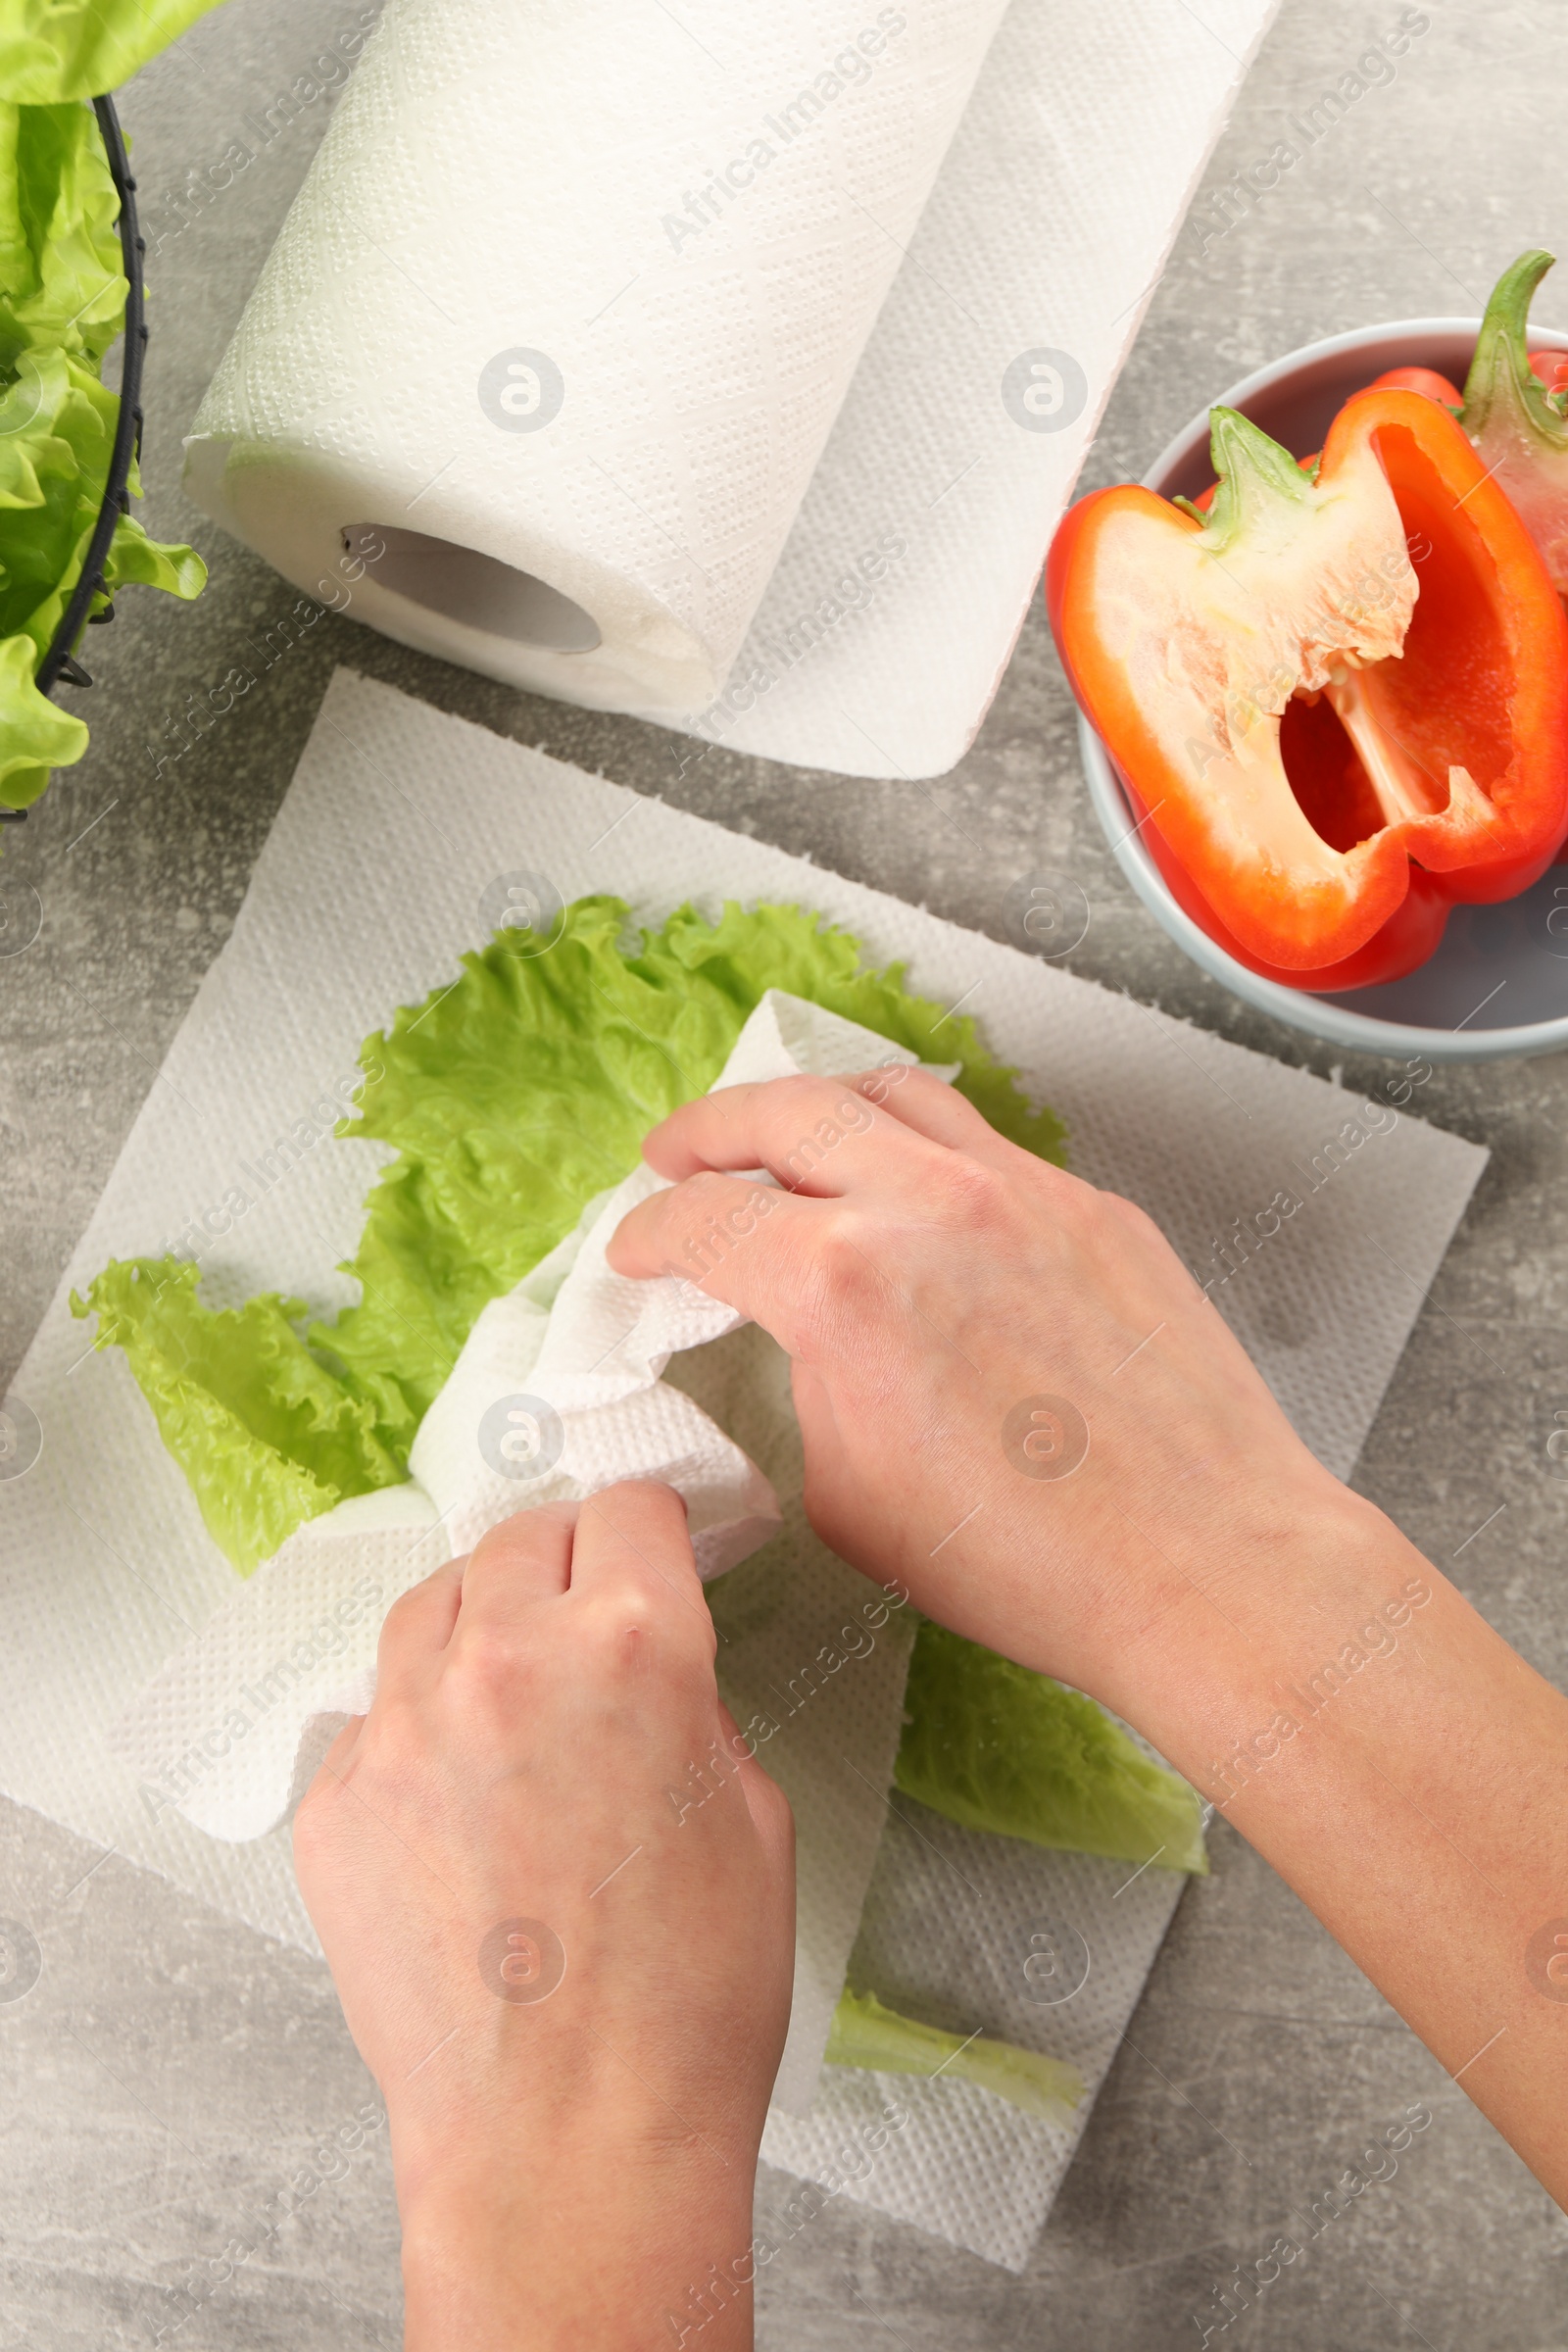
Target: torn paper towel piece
(556, 1394)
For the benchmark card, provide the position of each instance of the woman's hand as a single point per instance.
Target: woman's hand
(572, 1986)
(1012, 1393)
(1013, 1397)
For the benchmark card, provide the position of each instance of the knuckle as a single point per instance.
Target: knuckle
(1087, 1216)
(619, 1630)
(974, 1196)
(527, 1539)
(845, 1257)
(635, 1626)
(645, 1496)
(496, 1668)
(642, 1525)
(838, 1288)
(395, 1624)
(1105, 1223)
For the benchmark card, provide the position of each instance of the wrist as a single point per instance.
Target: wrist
(1252, 1632)
(587, 2240)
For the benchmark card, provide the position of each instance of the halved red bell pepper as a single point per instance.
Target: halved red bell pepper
(1309, 717)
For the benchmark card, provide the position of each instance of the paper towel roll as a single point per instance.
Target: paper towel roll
(503, 390)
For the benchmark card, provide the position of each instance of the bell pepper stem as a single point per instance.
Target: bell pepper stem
(1251, 473)
(1500, 375)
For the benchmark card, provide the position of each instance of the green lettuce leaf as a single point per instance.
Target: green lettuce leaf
(53, 466)
(265, 1436)
(55, 49)
(865, 2034)
(995, 1746)
(35, 736)
(514, 1095)
(61, 304)
(57, 429)
(61, 285)
(511, 1096)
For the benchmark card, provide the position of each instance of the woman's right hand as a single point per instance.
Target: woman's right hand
(1013, 1394)
(1015, 1397)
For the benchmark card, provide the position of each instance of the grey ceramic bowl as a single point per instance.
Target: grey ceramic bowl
(1498, 983)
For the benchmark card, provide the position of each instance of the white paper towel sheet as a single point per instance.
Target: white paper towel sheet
(396, 825)
(582, 289)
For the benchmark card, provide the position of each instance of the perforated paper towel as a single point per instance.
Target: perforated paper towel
(396, 825)
(556, 1394)
(1050, 1950)
(577, 290)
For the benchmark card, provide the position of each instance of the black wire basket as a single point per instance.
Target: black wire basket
(60, 666)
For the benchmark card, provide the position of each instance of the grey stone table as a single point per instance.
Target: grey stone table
(171, 2073)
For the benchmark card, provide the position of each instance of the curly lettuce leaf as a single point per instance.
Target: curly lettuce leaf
(61, 304)
(865, 2034)
(264, 1435)
(35, 736)
(511, 1096)
(996, 1746)
(516, 1094)
(135, 560)
(53, 467)
(55, 49)
(57, 429)
(61, 283)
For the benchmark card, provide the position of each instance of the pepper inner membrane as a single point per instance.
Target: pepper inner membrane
(1444, 701)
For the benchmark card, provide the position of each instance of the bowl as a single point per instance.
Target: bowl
(1498, 985)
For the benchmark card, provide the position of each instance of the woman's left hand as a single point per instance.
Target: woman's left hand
(571, 1980)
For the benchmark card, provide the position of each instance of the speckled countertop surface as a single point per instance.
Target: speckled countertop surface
(171, 2073)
